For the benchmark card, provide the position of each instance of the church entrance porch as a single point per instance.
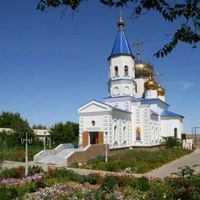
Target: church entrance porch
(92, 138)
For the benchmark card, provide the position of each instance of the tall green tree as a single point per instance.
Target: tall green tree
(39, 126)
(19, 126)
(64, 133)
(185, 12)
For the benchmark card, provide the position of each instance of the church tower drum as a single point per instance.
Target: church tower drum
(121, 66)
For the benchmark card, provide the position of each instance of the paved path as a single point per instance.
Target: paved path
(91, 171)
(11, 164)
(173, 167)
(166, 170)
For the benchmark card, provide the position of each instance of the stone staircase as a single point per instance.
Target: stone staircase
(57, 156)
(66, 154)
(58, 159)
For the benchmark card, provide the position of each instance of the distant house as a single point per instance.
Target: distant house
(41, 133)
(6, 130)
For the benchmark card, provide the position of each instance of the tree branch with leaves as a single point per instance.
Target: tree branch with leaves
(186, 10)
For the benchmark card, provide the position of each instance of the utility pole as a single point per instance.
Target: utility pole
(106, 156)
(26, 141)
(44, 140)
(50, 142)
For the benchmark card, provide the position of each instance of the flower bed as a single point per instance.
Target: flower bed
(17, 181)
(62, 184)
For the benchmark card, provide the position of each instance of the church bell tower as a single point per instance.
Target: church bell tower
(121, 66)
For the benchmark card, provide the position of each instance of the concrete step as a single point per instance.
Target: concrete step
(53, 160)
(65, 152)
(59, 158)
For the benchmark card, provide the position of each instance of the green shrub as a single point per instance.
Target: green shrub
(75, 177)
(92, 179)
(112, 166)
(159, 191)
(58, 172)
(74, 165)
(186, 185)
(171, 142)
(64, 173)
(143, 184)
(19, 172)
(109, 182)
(126, 181)
(5, 194)
(35, 169)
(13, 173)
(95, 194)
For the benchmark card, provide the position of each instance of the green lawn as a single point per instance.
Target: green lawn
(133, 161)
(17, 153)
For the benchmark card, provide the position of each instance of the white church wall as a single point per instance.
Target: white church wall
(121, 134)
(101, 123)
(151, 94)
(158, 108)
(162, 98)
(122, 88)
(154, 129)
(123, 105)
(169, 124)
(140, 87)
(141, 122)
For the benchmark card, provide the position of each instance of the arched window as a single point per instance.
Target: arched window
(116, 91)
(116, 71)
(93, 123)
(126, 90)
(124, 135)
(175, 132)
(126, 70)
(115, 134)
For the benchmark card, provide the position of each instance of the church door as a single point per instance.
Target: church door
(96, 138)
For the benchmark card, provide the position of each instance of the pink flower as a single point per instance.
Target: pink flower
(16, 181)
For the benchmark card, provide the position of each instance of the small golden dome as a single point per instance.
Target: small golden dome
(143, 70)
(120, 22)
(150, 84)
(160, 91)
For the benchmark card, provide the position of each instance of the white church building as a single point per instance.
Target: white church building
(135, 112)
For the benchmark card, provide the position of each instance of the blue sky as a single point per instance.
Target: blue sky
(51, 63)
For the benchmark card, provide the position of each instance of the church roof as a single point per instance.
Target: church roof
(99, 104)
(121, 45)
(167, 113)
(153, 101)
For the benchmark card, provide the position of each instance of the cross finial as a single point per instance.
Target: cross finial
(138, 45)
(157, 75)
(120, 13)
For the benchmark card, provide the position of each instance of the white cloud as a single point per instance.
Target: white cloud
(183, 85)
